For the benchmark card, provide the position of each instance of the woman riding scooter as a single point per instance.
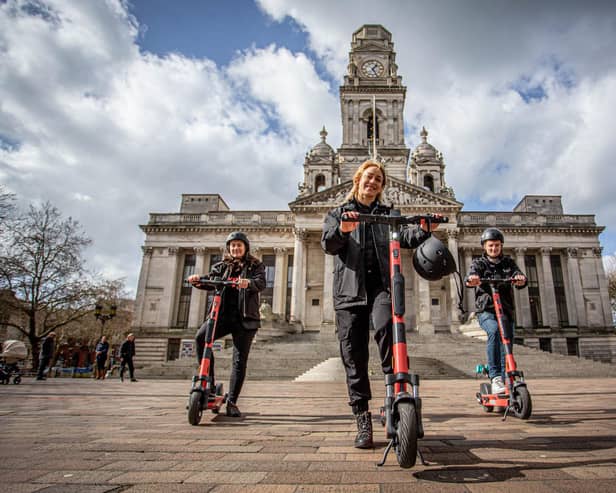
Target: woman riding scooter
(239, 312)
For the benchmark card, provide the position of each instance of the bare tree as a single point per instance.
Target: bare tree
(7, 205)
(41, 266)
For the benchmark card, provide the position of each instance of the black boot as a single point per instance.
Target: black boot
(364, 430)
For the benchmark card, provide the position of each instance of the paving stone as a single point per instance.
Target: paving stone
(69, 436)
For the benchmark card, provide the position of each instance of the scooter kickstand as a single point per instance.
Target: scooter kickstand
(387, 449)
(421, 458)
(506, 412)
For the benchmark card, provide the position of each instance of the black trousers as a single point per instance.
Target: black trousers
(131, 368)
(43, 363)
(242, 341)
(353, 328)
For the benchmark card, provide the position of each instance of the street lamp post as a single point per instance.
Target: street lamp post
(104, 316)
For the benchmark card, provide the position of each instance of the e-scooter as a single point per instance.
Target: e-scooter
(203, 394)
(401, 413)
(516, 397)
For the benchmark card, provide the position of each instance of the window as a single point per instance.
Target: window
(533, 291)
(573, 347)
(371, 126)
(319, 183)
(267, 294)
(185, 291)
(214, 259)
(559, 290)
(545, 344)
(315, 302)
(173, 349)
(429, 182)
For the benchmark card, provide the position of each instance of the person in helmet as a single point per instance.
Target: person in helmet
(362, 286)
(493, 264)
(239, 310)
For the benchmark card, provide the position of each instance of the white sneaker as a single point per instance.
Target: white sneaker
(498, 387)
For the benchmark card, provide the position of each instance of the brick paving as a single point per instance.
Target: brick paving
(74, 435)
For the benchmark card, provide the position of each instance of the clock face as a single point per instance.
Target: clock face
(372, 69)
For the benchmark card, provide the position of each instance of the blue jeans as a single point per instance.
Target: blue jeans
(494, 349)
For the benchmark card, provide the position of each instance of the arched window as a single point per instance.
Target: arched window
(429, 182)
(371, 122)
(319, 183)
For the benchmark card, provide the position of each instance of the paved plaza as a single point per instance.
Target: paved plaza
(82, 435)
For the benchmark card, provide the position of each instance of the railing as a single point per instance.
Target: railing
(267, 218)
(524, 218)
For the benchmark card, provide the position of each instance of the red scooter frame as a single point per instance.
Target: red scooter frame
(516, 397)
(203, 394)
(401, 413)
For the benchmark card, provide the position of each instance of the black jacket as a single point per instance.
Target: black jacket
(47, 347)
(127, 349)
(482, 267)
(248, 299)
(349, 248)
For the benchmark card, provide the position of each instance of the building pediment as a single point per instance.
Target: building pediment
(398, 193)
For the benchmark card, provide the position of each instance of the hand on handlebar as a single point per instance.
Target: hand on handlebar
(347, 224)
(519, 280)
(194, 279)
(433, 225)
(243, 283)
(473, 281)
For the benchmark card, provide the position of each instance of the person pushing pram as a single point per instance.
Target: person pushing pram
(12, 353)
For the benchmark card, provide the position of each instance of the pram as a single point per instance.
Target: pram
(12, 352)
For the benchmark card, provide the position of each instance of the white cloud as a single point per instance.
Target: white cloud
(84, 114)
(132, 131)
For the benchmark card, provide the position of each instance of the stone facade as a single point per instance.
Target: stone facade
(566, 308)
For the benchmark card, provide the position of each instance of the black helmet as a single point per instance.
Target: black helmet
(238, 235)
(492, 234)
(432, 260)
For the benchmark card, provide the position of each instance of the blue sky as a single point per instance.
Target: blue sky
(112, 109)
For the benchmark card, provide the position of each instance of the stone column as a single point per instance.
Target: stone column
(424, 315)
(168, 306)
(603, 288)
(280, 281)
(197, 296)
(548, 304)
(469, 294)
(452, 245)
(522, 300)
(328, 290)
(299, 276)
(578, 310)
(143, 280)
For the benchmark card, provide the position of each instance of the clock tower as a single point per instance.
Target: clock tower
(372, 105)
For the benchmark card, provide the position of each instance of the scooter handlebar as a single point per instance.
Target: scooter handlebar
(216, 282)
(394, 219)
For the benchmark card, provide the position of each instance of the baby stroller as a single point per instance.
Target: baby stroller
(12, 352)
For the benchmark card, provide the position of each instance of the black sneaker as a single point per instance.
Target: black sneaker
(233, 411)
(121, 377)
(364, 430)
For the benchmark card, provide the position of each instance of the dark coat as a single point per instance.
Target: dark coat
(47, 347)
(349, 248)
(483, 268)
(248, 299)
(127, 349)
(102, 349)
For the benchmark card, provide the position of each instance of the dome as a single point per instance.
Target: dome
(322, 149)
(425, 152)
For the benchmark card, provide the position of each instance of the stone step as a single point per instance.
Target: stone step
(438, 356)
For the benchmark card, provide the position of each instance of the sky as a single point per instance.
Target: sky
(111, 109)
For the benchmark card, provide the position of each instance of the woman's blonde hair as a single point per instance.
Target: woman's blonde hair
(358, 174)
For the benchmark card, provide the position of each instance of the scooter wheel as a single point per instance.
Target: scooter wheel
(488, 409)
(195, 408)
(406, 435)
(522, 403)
